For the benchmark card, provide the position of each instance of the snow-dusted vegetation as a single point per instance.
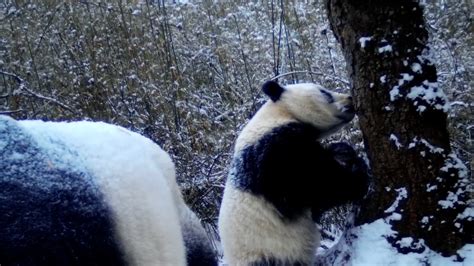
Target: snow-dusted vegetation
(187, 74)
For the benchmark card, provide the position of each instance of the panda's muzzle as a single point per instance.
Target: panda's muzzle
(347, 110)
(347, 113)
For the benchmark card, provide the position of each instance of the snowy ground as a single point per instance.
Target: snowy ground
(371, 248)
(367, 245)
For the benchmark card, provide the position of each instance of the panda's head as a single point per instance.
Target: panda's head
(312, 104)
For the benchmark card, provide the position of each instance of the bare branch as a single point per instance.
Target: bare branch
(49, 99)
(7, 112)
(23, 86)
(17, 78)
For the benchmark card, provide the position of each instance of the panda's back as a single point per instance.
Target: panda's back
(50, 215)
(86, 193)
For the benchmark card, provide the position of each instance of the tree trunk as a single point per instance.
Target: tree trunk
(402, 114)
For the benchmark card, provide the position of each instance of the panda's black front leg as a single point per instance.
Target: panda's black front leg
(353, 168)
(347, 180)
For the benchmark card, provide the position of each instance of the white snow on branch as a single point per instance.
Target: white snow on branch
(456, 103)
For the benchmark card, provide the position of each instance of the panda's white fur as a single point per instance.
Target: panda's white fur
(252, 229)
(135, 177)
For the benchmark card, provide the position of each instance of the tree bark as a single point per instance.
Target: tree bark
(402, 114)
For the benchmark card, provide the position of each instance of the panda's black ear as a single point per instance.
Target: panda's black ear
(273, 90)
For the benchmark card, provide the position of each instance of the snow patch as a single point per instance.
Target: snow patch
(394, 217)
(454, 162)
(430, 188)
(363, 41)
(385, 49)
(371, 247)
(425, 220)
(395, 91)
(449, 202)
(467, 214)
(402, 194)
(432, 94)
(417, 141)
(421, 108)
(407, 242)
(416, 67)
(394, 94)
(395, 140)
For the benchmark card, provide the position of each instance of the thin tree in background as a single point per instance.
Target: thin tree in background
(402, 114)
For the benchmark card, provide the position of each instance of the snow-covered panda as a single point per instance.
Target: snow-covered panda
(87, 193)
(282, 178)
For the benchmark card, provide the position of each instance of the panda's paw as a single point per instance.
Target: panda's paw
(347, 157)
(343, 153)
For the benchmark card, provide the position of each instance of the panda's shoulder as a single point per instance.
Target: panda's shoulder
(290, 137)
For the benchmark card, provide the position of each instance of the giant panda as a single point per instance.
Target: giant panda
(88, 193)
(282, 178)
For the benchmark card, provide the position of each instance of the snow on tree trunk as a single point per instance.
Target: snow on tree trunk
(402, 113)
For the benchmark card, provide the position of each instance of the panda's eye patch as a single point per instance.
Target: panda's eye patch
(328, 96)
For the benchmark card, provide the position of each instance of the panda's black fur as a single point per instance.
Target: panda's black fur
(199, 249)
(294, 150)
(49, 215)
(200, 253)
